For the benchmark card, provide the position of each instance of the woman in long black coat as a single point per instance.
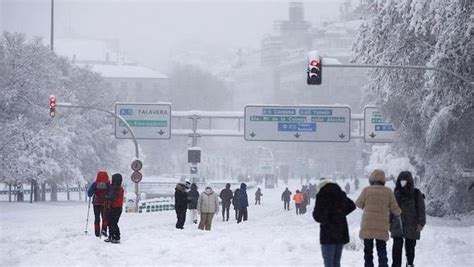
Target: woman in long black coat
(332, 207)
(413, 219)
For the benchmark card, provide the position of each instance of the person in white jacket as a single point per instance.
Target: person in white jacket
(208, 205)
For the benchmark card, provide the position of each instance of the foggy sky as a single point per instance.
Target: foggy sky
(150, 31)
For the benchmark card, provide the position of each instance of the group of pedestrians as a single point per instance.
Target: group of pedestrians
(206, 204)
(107, 199)
(401, 212)
(301, 198)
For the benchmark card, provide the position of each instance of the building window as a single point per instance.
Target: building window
(123, 85)
(138, 85)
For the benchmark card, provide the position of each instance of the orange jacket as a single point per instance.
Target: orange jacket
(298, 198)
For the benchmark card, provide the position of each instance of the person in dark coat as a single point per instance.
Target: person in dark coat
(193, 196)
(332, 207)
(286, 197)
(180, 204)
(97, 191)
(235, 202)
(258, 196)
(243, 203)
(115, 197)
(412, 219)
(226, 196)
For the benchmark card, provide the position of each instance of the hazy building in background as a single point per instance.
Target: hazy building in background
(123, 78)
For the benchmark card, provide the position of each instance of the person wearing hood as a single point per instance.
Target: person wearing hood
(226, 196)
(286, 197)
(378, 202)
(408, 226)
(180, 204)
(243, 203)
(235, 202)
(208, 205)
(332, 207)
(115, 197)
(193, 197)
(258, 196)
(97, 191)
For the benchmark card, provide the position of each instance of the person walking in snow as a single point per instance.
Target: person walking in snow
(298, 198)
(377, 201)
(286, 197)
(243, 203)
(193, 196)
(235, 202)
(97, 191)
(347, 188)
(115, 198)
(412, 220)
(226, 196)
(180, 204)
(208, 205)
(258, 196)
(332, 207)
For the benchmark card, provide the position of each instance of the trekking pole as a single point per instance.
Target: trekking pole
(88, 209)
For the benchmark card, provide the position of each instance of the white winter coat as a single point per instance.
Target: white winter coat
(208, 202)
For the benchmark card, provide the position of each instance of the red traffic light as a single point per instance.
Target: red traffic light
(315, 63)
(52, 101)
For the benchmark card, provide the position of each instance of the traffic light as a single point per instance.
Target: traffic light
(315, 71)
(52, 106)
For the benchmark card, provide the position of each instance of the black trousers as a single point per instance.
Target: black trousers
(114, 216)
(298, 209)
(181, 215)
(286, 205)
(225, 210)
(236, 214)
(242, 215)
(397, 251)
(381, 246)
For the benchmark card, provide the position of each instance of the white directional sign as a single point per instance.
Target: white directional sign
(377, 129)
(297, 123)
(266, 166)
(147, 120)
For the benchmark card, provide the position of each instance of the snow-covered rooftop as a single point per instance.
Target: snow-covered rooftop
(124, 71)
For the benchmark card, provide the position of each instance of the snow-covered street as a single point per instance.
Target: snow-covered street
(53, 234)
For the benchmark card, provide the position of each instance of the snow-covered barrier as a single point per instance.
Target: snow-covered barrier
(155, 205)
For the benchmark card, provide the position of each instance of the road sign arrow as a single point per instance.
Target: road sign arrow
(124, 131)
(297, 135)
(161, 132)
(372, 135)
(252, 134)
(342, 136)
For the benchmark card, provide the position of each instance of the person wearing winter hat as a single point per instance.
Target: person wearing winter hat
(115, 197)
(243, 203)
(180, 204)
(193, 197)
(377, 201)
(97, 191)
(332, 207)
(409, 225)
(226, 196)
(208, 205)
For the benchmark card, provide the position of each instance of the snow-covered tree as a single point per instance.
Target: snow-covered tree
(433, 111)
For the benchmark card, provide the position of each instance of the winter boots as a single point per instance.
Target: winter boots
(111, 240)
(98, 232)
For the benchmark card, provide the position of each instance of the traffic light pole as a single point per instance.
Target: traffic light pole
(411, 67)
(137, 155)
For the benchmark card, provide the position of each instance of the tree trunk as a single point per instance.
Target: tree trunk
(54, 192)
(43, 191)
(31, 191)
(79, 190)
(35, 190)
(10, 192)
(67, 192)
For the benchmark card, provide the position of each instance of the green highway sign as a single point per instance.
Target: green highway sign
(376, 128)
(147, 120)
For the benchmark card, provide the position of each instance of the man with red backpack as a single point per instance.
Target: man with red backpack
(97, 191)
(115, 198)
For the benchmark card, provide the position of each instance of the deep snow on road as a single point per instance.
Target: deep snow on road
(53, 234)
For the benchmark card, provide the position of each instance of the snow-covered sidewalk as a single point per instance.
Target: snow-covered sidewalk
(53, 234)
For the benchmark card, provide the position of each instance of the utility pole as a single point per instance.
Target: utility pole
(52, 25)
